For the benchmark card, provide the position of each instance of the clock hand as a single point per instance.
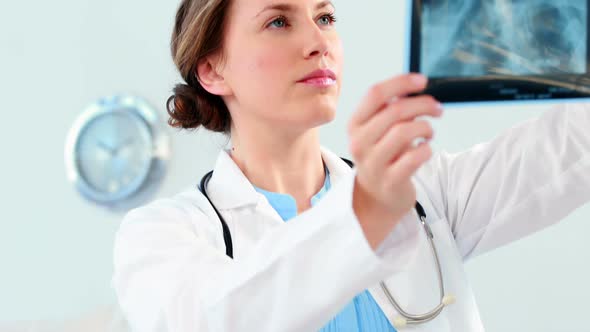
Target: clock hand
(107, 148)
(125, 143)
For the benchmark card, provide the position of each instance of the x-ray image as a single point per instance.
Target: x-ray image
(462, 38)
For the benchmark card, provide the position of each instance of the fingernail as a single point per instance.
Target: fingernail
(419, 79)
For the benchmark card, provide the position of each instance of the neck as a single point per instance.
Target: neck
(277, 161)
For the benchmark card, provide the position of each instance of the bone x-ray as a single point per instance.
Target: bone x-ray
(502, 49)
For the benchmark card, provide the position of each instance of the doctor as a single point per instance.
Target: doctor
(317, 245)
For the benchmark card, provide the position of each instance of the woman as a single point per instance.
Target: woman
(268, 74)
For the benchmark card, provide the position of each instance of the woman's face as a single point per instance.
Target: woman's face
(282, 62)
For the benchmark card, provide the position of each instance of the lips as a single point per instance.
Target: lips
(321, 75)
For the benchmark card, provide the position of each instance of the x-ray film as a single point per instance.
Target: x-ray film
(487, 50)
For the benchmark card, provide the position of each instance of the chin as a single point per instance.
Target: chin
(323, 115)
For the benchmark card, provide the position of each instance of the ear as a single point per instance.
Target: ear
(211, 77)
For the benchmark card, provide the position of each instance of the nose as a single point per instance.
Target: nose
(316, 42)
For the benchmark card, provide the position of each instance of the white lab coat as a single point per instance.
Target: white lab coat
(172, 274)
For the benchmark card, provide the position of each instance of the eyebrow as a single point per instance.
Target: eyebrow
(289, 8)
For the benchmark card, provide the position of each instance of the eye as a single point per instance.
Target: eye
(327, 19)
(279, 22)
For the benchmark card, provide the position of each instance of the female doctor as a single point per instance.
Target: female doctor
(288, 237)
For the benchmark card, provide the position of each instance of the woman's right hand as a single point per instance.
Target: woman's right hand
(382, 134)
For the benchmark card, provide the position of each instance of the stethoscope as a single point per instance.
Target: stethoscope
(405, 318)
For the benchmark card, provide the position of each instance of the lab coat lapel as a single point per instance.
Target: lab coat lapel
(229, 188)
(247, 212)
(336, 166)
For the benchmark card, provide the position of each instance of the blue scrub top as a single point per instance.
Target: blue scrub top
(362, 313)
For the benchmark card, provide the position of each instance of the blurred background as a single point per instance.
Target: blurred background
(57, 57)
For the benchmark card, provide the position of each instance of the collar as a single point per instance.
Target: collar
(229, 188)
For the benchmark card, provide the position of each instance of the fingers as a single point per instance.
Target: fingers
(382, 135)
(398, 140)
(399, 111)
(383, 93)
(408, 163)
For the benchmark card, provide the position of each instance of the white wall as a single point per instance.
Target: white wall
(55, 248)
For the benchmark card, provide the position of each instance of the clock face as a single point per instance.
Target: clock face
(113, 154)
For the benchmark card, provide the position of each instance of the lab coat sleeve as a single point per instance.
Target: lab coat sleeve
(169, 277)
(526, 179)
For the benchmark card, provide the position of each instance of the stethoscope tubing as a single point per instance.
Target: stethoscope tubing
(410, 318)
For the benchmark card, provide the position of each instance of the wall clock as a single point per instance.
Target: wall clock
(116, 149)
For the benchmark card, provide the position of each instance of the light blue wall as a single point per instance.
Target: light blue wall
(55, 248)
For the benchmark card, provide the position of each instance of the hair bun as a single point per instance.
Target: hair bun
(191, 107)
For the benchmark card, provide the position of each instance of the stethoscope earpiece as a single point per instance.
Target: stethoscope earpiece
(449, 299)
(399, 323)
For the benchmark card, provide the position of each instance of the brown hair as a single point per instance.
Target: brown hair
(198, 32)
